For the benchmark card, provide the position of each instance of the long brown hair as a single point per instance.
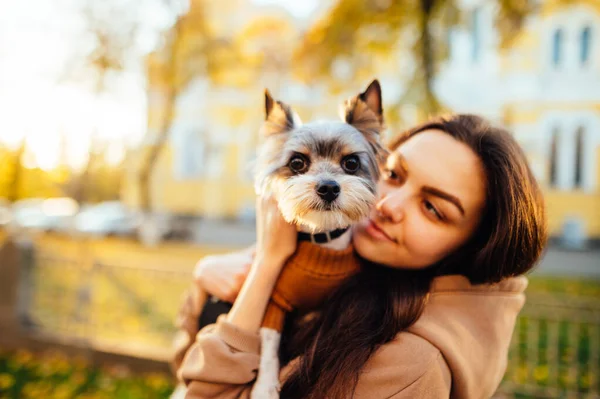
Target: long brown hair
(372, 307)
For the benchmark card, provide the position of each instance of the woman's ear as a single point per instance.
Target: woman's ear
(365, 109)
(279, 117)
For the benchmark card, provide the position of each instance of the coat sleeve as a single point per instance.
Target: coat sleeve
(187, 324)
(190, 310)
(407, 367)
(434, 383)
(222, 363)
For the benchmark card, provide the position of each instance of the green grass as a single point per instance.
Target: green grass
(552, 367)
(127, 305)
(576, 287)
(109, 304)
(52, 375)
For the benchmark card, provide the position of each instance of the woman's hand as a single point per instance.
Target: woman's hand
(275, 243)
(223, 275)
(276, 238)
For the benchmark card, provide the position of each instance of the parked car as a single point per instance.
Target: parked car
(157, 227)
(52, 214)
(106, 219)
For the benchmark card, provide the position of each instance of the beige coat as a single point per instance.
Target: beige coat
(458, 348)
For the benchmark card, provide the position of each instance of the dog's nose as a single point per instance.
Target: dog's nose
(328, 190)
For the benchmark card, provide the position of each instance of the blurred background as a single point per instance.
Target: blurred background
(128, 129)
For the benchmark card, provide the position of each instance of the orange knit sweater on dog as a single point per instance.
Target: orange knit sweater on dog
(305, 282)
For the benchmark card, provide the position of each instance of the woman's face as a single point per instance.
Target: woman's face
(430, 199)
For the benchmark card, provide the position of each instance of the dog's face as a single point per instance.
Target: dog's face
(322, 174)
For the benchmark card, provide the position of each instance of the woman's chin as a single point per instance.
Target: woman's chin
(367, 246)
(383, 252)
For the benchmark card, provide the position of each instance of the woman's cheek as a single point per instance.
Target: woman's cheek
(425, 241)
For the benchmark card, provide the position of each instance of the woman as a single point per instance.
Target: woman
(458, 221)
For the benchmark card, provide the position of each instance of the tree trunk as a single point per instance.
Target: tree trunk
(156, 147)
(427, 55)
(154, 152)
(15, 181)
(81, 192)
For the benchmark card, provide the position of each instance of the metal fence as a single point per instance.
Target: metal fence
(128, 309)
(555, 351)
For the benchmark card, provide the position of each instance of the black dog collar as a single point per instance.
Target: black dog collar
(322, 238)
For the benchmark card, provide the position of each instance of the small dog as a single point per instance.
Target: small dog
(323, 176)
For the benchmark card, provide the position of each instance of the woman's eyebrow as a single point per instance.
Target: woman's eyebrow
(445, 196)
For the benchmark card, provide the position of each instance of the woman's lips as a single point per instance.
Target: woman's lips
(376, 232)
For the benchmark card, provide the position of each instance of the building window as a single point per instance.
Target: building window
(189, 154)
(557, 44)
(215, 161)
(578, 180)
(586, 38)
(247, 163)
(475, 34)
(553, 175)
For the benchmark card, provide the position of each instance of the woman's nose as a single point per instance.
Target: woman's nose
(391, 206)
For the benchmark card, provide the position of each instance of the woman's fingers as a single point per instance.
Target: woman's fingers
(276, 238)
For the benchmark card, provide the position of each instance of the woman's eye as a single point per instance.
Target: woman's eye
(351, 164)
(431, 209)
(389, 174)
(298, 164)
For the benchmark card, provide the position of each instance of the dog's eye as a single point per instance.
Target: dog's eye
(298, 163)
(351, 164)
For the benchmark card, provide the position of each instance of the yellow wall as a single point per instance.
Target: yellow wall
(551, 6)
(223, 197)
(562, 205)
(523, 113)
(220, 197)
(598, 169)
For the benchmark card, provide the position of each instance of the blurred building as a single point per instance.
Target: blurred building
(205, 168)
(546, 89)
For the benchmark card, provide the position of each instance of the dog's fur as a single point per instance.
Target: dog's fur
(324, 147)
(324, 144)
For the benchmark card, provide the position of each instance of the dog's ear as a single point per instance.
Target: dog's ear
(365, 111)
(372, 97)
(279, 117)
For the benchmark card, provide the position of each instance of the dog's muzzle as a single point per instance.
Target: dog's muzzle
(328, 190)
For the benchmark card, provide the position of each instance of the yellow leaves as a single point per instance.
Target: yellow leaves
(233, 116)
(157, 381)
(541, 372)
(353, 29)
(69, 381)
(363, 30)
(23, 358)
(267, 25)
(6, 381)
(63, 392)
(510, 19)
(265, 46)
(57, 362)
(79, 376)
(38, 389)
